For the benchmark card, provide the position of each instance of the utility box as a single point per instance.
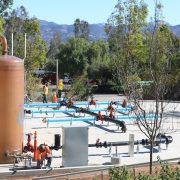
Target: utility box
(74, 146)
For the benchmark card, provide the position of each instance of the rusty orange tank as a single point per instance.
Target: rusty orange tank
(11, 104)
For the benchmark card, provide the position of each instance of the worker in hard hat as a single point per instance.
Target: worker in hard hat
(60, 87)
(43, 152)
(45, 93)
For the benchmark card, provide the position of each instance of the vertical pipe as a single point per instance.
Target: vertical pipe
(24, 68)
(12, 44)
(57, 78)
(35, 145)
(24, 59)
(24, 45)
(116, 151)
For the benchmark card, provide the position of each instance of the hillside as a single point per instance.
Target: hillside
(176, 30)
(96, 31)
(49, 28)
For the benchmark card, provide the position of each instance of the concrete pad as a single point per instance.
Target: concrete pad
(109, 133)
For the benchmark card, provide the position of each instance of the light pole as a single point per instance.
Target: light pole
(57, 77)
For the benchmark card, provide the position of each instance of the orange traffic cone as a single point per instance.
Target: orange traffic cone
(54, 98)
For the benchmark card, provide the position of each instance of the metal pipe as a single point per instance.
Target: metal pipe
(163, 139)
(75, 103)
(41, 104)
(24, 46)
(104, 117)
(91, 118)
(35, 145)
(72, 110)
(57, 76)
(51, 111)
(71, 119)
(12, 44)
(135, 117)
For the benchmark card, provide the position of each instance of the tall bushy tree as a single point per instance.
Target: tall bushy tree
(15, 24)
(4, 5)
(99, 64)
(77, 28)
(141, 54)
(1, 25)
(81, 29)
(20, 24)
(52, 52)
(72, 56)
(85, 30)
(54, 45)
(84, 60)
(126, 39)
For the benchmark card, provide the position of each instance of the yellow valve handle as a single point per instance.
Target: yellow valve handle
(44, 120)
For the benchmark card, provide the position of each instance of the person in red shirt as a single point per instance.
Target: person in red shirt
(43, 152)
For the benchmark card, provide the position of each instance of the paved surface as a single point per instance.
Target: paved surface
(102, 156)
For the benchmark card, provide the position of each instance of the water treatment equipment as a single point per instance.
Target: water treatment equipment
(11, 104)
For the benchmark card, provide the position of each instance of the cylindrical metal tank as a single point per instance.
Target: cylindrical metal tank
(11, 104)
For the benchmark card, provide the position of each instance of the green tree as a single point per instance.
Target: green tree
(138, 54)
(1, 25)
(77, 28)
(73, 56)
(20, 24)
(84, 60)
(174, 69)
(99, 64)
(54, 45)
(15, 24)
(81, 29)
(52, 52)
(85, 30)
(5, 5)
(36, 47)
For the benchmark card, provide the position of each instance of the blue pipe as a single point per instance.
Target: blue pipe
(41, 104)
(94, 118)
(71, 119)
(52, 111)
(75, 103)
(73, 110)
(134, 117)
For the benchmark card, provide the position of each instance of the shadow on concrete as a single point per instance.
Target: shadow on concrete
(103, 128)
(172, 114)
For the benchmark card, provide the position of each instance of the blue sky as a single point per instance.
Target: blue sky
(92, 11)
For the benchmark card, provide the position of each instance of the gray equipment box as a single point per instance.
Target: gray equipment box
(74, 146)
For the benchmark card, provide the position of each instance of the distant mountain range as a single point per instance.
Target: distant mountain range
(96, 31)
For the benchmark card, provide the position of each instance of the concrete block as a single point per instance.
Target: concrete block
(115, 160)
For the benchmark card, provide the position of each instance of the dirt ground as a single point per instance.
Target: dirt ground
(156, 169)
(99, 175)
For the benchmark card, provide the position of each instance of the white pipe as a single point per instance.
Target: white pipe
(57, 76)
(24, 46)
(12, 44)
